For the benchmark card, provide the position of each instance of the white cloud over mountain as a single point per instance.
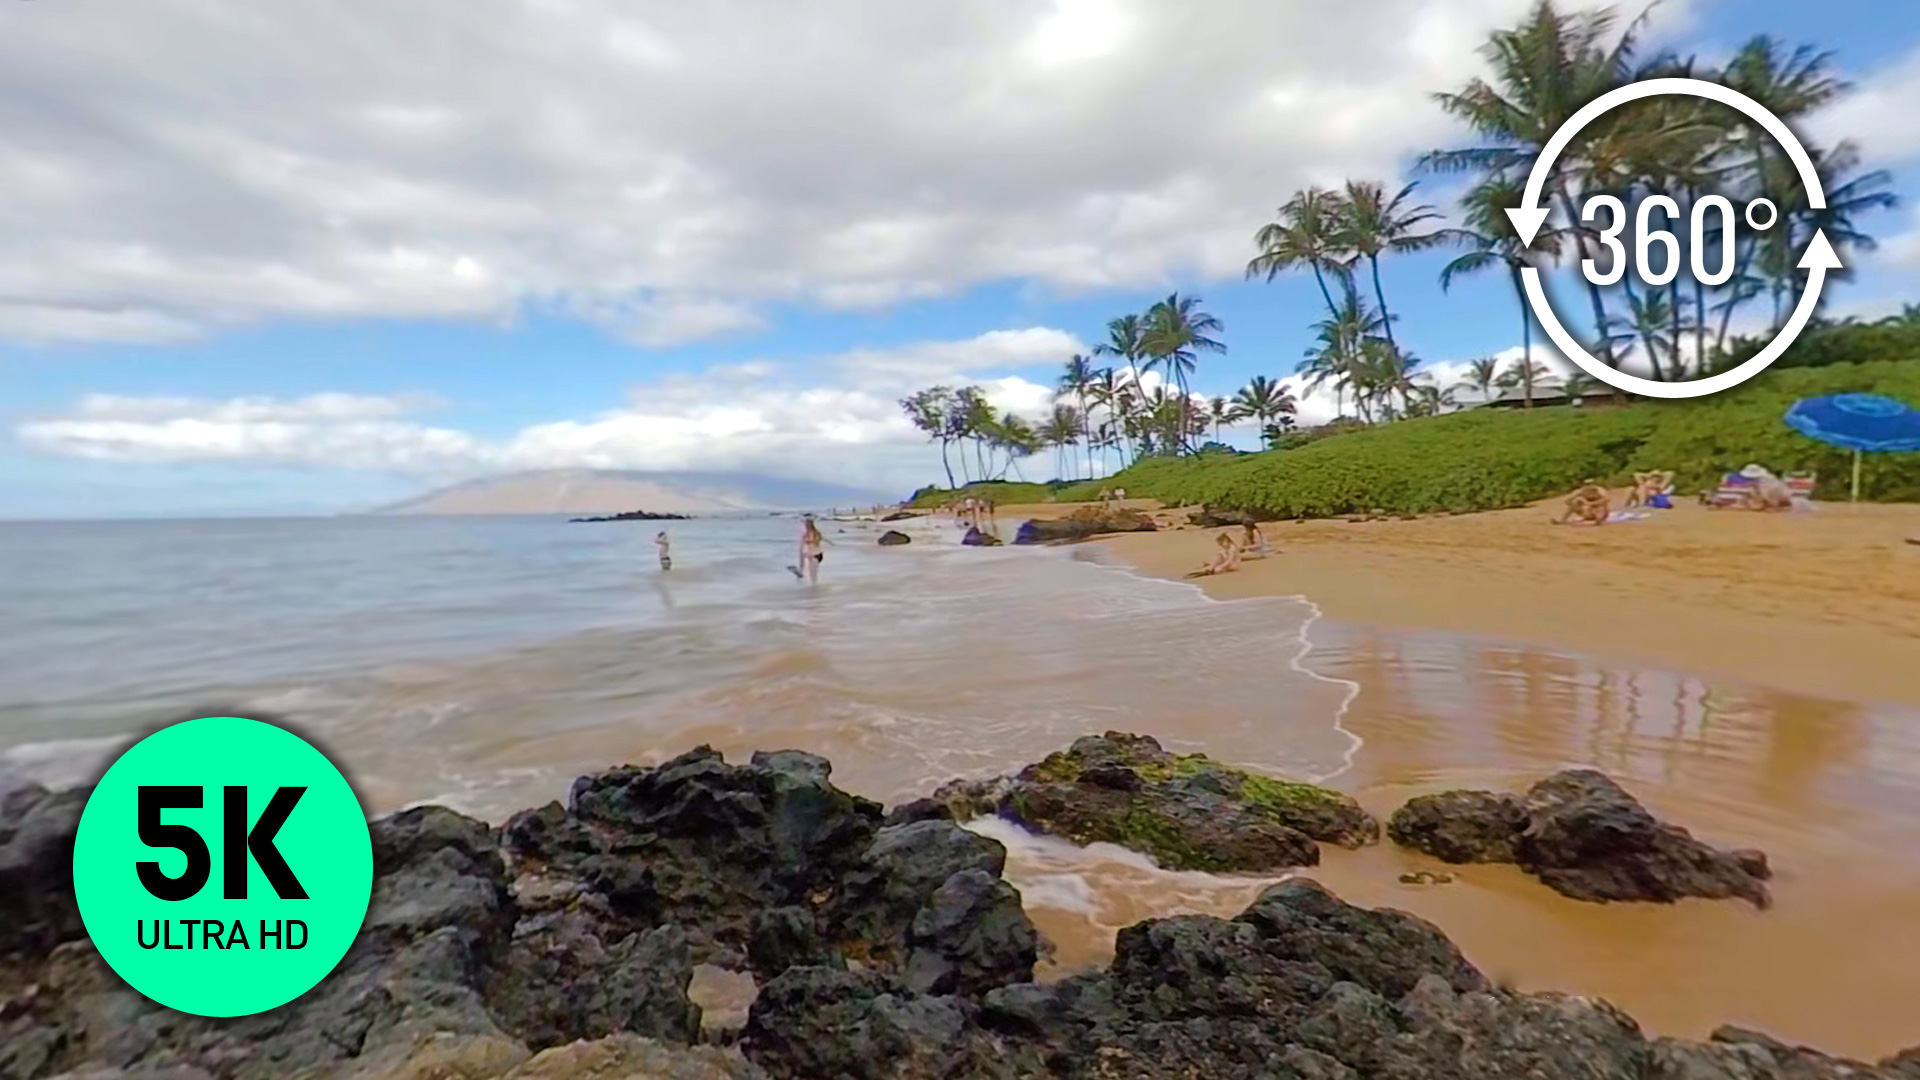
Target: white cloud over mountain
(844, 426)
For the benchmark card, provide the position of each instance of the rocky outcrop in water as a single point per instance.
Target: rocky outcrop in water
(1584, 836)
(633, 515)
(976, 537)
(886, 947)
(901, 515)
(1186, 810)
(894, 538)
(1087, 521)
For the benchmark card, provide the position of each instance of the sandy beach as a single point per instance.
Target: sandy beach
(1752, 677)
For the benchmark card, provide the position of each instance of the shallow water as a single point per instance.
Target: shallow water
(484, 663)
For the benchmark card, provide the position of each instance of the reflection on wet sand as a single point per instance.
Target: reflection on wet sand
(1828, 789)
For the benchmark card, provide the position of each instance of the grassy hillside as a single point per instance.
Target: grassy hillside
(1486, 459)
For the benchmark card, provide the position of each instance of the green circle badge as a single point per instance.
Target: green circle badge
(223, 866)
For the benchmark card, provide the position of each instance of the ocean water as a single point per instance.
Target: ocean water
(485, 662)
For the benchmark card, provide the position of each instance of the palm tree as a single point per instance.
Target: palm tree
(1482, 375)
(1530, 374)
(1060, 430)
(1371, 224)
(1579, 384)
(1076, 380)
(1339, 340)
(1126, 339)
(1177, 331)
(1265, 400)
(1544, 71)
(1492, 242)
(1306, 233)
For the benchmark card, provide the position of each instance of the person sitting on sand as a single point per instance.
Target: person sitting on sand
(660, 545)
(1591, 505)
(1253, 542)
(1225, 561)
(1769, 492)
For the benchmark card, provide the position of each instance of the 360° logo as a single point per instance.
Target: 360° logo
(1531, 214)
(222, 866)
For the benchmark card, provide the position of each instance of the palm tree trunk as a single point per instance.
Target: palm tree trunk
(944, 463)
(1526, 339)
(1386, 320)
(1646, 339)
(1593, 291)
(1328, 296)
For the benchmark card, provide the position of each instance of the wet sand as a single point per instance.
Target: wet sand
(1754, 678)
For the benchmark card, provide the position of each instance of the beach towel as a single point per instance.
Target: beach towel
(1621, 516)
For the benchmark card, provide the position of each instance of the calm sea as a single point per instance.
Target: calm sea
(484, 662)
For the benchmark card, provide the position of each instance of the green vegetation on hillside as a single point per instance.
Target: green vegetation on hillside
(1489, 459)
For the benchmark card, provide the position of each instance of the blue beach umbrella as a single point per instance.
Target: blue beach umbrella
(1862, 423)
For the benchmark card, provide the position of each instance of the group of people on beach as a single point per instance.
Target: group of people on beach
(972, 512)
(812, 551)
(1251, 544)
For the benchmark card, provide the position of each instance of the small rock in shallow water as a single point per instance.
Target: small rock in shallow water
(1426, 877)
(1584, 836)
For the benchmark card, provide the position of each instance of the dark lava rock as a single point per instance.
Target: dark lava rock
(1461, 826)
(900, 515)
(700, 842)
(822, 1024)
(37, 909)
(1187, 811)
(1082, 523)
(1590, 840)
(559, 982)
(633, 515)
(1580, 833)
(894, 538)
(769, 864)
(977, 538)
(971, 937)
(1301, 985)
(1209, 518)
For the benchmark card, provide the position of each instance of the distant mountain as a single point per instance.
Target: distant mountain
(612, 491)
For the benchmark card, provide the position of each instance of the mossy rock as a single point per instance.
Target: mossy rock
(1187, 811)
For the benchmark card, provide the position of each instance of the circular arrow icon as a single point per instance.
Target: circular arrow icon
(1531, 214)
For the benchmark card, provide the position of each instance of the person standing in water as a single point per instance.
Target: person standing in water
(660, 544)
(812, 549)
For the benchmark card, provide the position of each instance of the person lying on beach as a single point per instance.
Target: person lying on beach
(1253, 542)
(1591, 505)
(1227, 560)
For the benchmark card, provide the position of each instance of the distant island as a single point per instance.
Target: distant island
(635, 515)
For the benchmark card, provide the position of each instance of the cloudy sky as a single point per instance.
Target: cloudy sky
(280, 256)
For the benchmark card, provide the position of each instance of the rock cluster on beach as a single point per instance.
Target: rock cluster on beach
(894, 538)
(1084, 522)
(884, 946)
(1584, 836)
(1186, 810)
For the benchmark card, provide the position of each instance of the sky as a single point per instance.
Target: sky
(271, 256)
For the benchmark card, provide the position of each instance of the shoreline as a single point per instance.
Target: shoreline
(1825, 604)
(1492, 649)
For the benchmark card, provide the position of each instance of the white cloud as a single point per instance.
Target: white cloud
(673, 167)
(337, 430)
(1879, 112)
(836, 420)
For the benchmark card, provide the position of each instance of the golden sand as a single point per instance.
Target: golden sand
(1752, 677)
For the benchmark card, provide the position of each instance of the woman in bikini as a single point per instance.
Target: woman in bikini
(1253, 545)
(812, 549)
